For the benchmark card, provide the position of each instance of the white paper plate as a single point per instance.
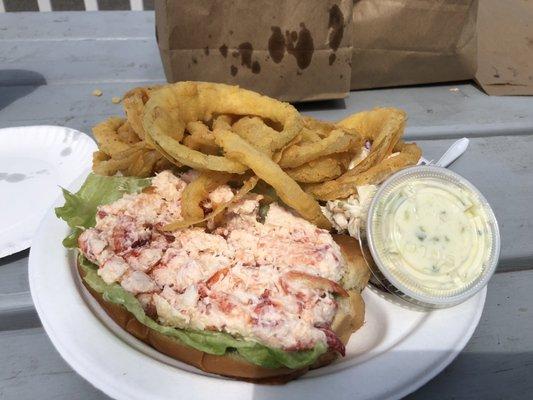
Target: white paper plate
(396, 351)
(34, 162)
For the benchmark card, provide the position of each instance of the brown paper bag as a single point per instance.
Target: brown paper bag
(290, 49)
(505, 62)
(405, 42)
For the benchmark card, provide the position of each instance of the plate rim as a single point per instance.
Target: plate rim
(114, 389)
(24, 244)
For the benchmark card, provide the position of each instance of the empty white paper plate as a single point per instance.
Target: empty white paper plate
(35, 161)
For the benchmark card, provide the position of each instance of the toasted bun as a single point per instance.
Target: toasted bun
(357, 271)
(348, 319)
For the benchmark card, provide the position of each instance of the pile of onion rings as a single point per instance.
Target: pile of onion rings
(231, 134)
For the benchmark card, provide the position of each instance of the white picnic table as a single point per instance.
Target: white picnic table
(51, 62)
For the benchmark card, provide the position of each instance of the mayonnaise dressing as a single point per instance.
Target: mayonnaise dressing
(434, 235)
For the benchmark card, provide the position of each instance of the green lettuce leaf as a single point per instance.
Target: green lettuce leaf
(79, 211)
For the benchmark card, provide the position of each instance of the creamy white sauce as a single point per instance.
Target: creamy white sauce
(435, 235)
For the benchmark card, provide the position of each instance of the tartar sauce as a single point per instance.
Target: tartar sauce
(433, 236)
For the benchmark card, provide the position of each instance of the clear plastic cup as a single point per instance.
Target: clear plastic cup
(421, 286)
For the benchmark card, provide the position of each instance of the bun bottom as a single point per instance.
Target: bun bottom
(349, 318)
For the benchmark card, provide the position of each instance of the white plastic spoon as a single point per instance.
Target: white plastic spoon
(452, 154)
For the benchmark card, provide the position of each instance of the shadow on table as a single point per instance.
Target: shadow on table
(505, 376)
(484, 376)
(17, 83)
(14, 314)
(16, 257)
(337, 104)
